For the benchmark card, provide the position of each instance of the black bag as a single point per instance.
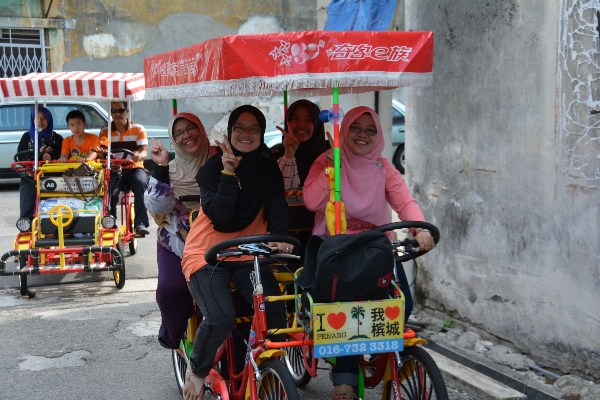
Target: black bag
(348, 267)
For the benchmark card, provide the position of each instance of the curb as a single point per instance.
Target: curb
(473, 382)
(494, 373)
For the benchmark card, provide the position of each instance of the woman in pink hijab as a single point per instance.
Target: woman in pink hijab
(369, 183)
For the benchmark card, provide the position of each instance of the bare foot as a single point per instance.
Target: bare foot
(343, 392)
(193, 389)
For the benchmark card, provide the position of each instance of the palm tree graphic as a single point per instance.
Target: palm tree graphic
(356, 313)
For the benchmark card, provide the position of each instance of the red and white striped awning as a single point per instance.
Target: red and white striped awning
(81, 85)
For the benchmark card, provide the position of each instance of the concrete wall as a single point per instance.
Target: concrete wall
(113, 35)
(488, 160)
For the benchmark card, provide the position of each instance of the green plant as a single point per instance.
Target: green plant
(448, 322)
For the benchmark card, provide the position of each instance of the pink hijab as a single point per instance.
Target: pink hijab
(363, 177)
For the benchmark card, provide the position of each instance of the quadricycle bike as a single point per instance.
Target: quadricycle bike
(72, 230)
(316, 63)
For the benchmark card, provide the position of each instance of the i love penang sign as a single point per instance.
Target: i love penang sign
(341, 329)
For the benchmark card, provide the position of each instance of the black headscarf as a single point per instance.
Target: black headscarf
(308, 151)
(258, 175)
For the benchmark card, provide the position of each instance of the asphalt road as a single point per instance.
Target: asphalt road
(142, 265)
(88, 339)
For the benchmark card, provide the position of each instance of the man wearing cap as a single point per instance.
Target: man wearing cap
(125, 134)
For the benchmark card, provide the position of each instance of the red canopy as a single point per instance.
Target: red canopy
(70, 85)
(307, 62)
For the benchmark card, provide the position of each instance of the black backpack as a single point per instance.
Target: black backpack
(348, 267)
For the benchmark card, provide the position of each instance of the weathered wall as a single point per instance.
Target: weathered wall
(116, 36)
(485, 154)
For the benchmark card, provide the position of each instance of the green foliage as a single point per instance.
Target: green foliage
(448, 322)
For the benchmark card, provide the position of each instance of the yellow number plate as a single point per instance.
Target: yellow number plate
(358, 327)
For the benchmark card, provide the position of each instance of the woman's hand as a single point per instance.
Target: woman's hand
(230, 161)
(159, 154)
(425, 240)
(290, 143)
(282, 247)
(329, 152)
(45, 149)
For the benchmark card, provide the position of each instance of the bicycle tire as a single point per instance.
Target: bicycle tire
(276, 383)
(23, 278)
(119, 275)
(294, 361)
(419, 377)
(180, 363)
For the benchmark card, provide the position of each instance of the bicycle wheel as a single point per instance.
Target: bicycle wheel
(180, 363)
(294, 361)
(119, 275)
(276, 383)
(23, 278)
(133, 242)
(419, 377)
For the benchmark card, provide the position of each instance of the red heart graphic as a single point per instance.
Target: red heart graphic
(392, 312)
(336, 321)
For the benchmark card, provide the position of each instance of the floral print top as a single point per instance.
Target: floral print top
(175, 225)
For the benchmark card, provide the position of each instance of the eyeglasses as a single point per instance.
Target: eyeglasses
(118, 110)
(179, 134)
(240, 129)
(355, 129)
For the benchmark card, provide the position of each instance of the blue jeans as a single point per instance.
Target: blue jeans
(210, 287)
(27, 195)
(345, 371)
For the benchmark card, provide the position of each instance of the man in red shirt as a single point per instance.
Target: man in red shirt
(128, 135)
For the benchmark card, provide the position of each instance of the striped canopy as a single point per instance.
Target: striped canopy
(80, 85)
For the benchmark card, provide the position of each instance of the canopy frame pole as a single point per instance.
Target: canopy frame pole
(336, 160)
(285, 105)
(109, 137)
(35, 141)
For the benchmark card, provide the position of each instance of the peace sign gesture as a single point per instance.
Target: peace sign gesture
(159, 154)
(329, 152)
(230, 161)
(290, 143)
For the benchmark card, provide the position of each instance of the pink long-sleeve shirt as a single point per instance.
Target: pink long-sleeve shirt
(316, 196)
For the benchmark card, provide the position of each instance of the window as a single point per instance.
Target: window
(397, 117)
(22, 51)
(59, 115)
(15, 118)
(93, 119)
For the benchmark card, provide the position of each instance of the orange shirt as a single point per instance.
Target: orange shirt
(203, 236)
(135, 136)
(71, 148)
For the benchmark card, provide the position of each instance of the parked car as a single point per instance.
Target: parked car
(273, 136)
(15, 120)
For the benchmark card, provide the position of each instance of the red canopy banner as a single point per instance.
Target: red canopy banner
(306, 62)
(73, 85)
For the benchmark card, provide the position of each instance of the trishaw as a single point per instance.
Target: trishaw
(72, 230)
(306, 64)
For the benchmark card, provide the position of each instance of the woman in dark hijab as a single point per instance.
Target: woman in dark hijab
(303, 140)
(242, 194)
(49, 145)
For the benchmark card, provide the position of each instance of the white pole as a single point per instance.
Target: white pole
(109, 145)
(35, 141)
